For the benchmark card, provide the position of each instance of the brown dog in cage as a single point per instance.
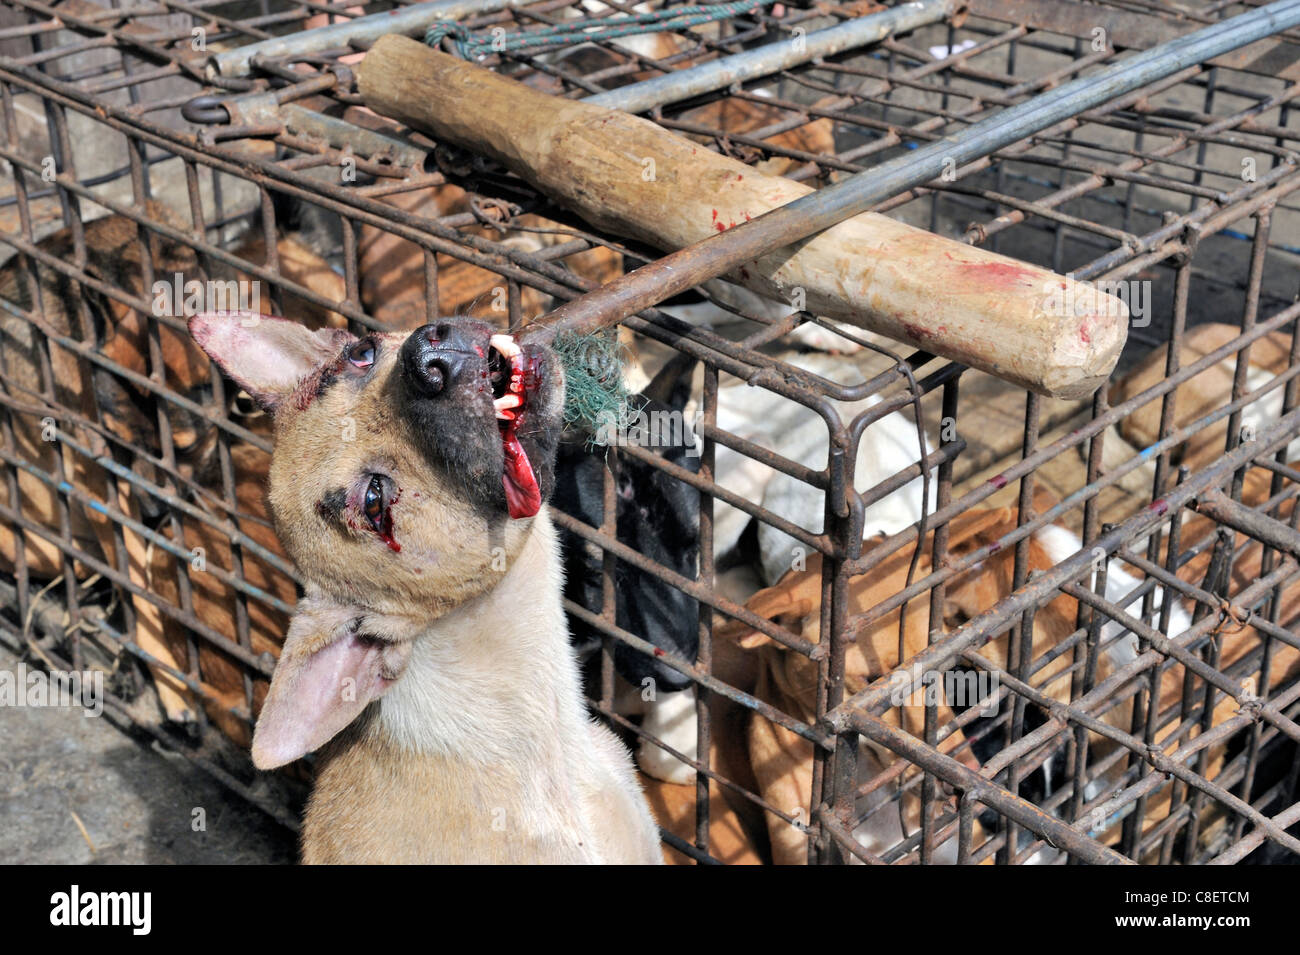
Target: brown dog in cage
(116, 420)
(1205, 392)
(108, 406)
(434, 590)
(783, 761)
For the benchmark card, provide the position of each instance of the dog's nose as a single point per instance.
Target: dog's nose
(434, 356)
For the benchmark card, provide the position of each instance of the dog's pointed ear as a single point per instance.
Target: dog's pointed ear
(266, 356)
(331, 668)
(671, 385)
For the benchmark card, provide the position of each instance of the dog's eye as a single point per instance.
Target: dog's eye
(373, 505)
(362, 354)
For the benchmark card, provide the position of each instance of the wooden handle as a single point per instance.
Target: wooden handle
(628, 176)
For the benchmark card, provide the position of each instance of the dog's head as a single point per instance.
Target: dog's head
(406, 467)
(657, 516)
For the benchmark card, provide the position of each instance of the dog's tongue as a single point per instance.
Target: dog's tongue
(523, 496)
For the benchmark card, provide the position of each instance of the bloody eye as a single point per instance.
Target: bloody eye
(373, 505)
(362, 354)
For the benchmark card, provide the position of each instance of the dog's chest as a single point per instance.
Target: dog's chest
(373, 804)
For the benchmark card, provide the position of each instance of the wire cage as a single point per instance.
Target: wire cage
(1115, 577)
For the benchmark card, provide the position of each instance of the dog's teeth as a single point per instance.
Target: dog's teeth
(505, 345)
(505, 403)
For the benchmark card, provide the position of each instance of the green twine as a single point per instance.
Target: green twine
(596, 399)
(576, 32)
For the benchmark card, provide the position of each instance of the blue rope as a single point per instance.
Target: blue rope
(572, 33)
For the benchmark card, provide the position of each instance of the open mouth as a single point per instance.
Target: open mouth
(506, 371)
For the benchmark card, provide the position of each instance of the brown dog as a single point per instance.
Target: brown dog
(783, 761)
(393, 276)
(123, 409)
(62, 308)
(1203, 393)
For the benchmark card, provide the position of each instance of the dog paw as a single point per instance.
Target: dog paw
(662, 765)
(671, 719)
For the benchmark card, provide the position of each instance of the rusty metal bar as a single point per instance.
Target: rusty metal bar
(992, 795)
(409, 20)
(774, 57)
(720, 254)
(1214, 503)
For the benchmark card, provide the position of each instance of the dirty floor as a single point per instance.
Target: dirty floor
(78, 790)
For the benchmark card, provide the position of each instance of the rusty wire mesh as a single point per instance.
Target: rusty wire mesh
(1185, 190)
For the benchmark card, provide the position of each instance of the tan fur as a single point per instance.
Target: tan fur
(442, 530)
(1199, 395)
(526, 778)
(477, 747)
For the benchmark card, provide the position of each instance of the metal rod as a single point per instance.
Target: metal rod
(721, 253)
(340, 134)
(1223, 509)
(876, 697)
(409, 20)
(636, 98)
(773, 57)
(1013, 807)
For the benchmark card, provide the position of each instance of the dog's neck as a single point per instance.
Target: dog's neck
(494, 680)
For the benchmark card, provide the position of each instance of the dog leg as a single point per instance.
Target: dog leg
(783, 763)
(674, 809)
(670, 718)
(173, 695)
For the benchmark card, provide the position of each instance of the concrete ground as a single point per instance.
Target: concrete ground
(78, 790)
